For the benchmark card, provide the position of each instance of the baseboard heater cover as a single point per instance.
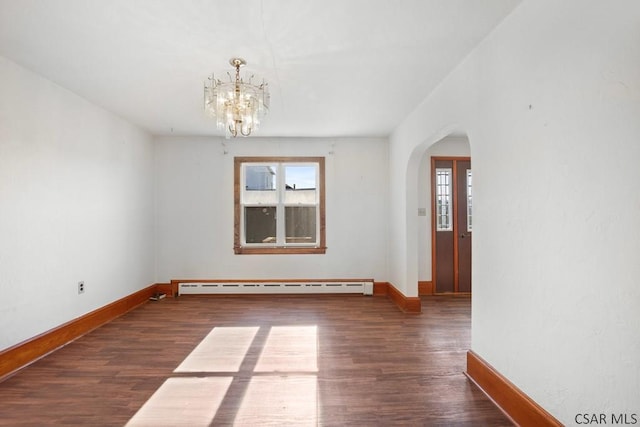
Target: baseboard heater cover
(343, 287)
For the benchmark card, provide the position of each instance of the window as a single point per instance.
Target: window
(444, 212)
(469, 202)
(279, 205)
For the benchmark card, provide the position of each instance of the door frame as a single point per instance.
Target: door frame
(454, 185)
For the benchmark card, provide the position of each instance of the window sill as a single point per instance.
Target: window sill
(279, 250)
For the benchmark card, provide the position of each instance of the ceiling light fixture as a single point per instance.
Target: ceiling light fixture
(237, 105)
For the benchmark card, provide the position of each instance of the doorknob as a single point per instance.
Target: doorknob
(462, 236)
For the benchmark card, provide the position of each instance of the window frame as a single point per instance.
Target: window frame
(238, 248)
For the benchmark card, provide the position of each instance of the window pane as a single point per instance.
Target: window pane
(261, 177)
(300, 224)
(469, 202)
(260, 185)
(301, 187)
(260, 224)
(444, 214)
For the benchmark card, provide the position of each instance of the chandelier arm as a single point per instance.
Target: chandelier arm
(245, 134)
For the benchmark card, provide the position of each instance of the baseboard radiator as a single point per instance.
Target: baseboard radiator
(364, 287)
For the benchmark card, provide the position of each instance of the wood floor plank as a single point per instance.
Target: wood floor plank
(320, 360)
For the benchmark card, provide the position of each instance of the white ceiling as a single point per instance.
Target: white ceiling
(334, 67)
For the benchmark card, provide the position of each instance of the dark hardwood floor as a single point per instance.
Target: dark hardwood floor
(267, 360)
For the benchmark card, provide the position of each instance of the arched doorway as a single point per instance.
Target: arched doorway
(444, 228)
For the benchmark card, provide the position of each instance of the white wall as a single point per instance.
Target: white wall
(451, 146)
(194, 195)
(550, 102)
(76, 203)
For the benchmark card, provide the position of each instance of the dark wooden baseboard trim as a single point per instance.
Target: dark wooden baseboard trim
(380, 289)
(516, 405)
(27, 352)
(425, 287)
(169, 289)
(406, 304)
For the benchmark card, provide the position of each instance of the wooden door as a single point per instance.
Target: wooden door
(451, 184)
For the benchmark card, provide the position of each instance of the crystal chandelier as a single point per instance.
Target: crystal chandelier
(237, 105)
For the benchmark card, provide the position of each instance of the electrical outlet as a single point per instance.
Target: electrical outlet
(80, 287)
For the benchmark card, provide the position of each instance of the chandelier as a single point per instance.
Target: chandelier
(237, 105)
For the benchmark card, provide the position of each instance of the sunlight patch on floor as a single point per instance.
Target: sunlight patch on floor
(290, 349)
(277, 380)
(222, 350)
(280, 401)
(183, 401)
